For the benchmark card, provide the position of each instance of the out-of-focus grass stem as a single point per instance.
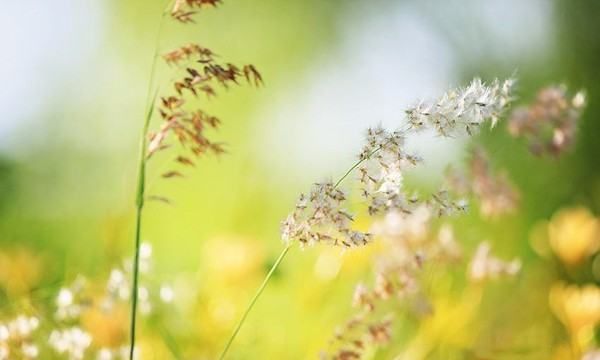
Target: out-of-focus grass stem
(141, 185)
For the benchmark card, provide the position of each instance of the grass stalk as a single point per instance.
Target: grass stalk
(253, 301)
(276, 265)
(140, 191)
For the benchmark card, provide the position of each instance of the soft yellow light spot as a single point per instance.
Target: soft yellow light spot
(328, 264)
(574, 235)
(20, 270)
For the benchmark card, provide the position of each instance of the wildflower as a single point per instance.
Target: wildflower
(496, 195)
(380, 333)
(72, 342)
(118, 353)
(403, 219)
(578, 308)
(574, 234)
(20, 270)
(384, 287)
(549, 124)
(358, 335)
(167, 294)
(83, 315)
(404, 229)
(347, 355)
(410, 242)
(447, 246)
(382, 162)
(144, 299)
(29, 351)
(591, 355)
(23, 326)
(69, 302)
(484, 266)
(145, 257)
(321, 219)
(104, 354)
(118, 286)
(362, 298)
(201, 74)
(463, 109)
(16, 338)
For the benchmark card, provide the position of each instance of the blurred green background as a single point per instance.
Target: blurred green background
(74, 82)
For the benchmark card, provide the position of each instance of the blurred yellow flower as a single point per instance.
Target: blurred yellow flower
(234, 264)
(578, 308)
(20, 270)
(109, 328)
(233, 259)
(328, 264)
(574, 234)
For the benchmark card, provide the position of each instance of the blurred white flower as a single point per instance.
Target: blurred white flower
(484, 266)
(167, 294)
(72, 342)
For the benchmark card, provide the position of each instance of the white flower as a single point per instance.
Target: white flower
(64, 298)
(23, 326)
(579, 100)
(591, 355)
(29, 350)
(485, 266)
(321, 217)
(145, 251)
(72, 342)
(118, 285)
(4, 333)
(4, 352)
(167, 294)
(104, 354)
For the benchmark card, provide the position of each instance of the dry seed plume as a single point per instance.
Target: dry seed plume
(549, 124)
(202, 74)
(321, 216)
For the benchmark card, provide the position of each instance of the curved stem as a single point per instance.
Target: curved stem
(140, 192)
(276, 264)
(356, 164)
(253, 301)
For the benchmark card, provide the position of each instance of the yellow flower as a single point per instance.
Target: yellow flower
(574, 235)
(578, 308)
(20, 270)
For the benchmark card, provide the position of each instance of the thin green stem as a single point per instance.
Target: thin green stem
(356, 164)
(253, 301)
(139, 202)
(276, 265)
(140, 192)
